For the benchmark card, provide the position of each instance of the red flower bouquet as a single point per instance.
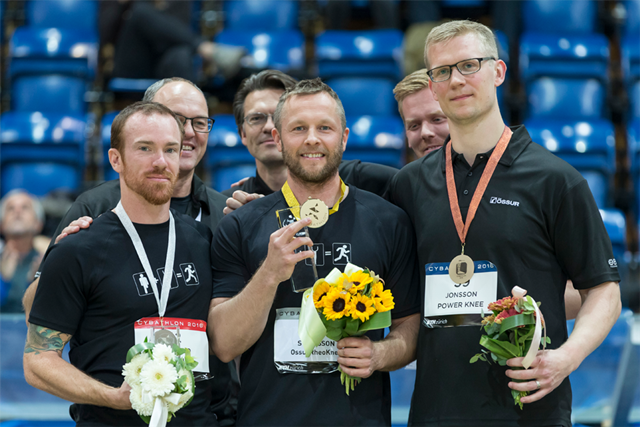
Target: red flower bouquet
(514, 329)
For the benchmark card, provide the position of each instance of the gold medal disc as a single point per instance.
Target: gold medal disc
(317, 211)
(461, 269)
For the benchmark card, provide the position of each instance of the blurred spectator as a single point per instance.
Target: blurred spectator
(21, 219)
(384, 14)
(154, 40)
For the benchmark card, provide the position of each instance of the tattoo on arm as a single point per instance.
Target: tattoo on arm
(41, 339)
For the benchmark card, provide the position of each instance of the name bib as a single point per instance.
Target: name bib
(448, 304)
(190, 333)
(288, 353)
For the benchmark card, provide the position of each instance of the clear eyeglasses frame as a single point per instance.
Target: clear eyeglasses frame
(257, 119)
(466, 67)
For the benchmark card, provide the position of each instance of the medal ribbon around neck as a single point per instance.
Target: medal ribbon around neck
(461, 226)
(142, 255)
(295, 205)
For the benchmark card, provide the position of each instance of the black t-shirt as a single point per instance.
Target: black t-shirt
(370, 177)
(89, 289)
(539, 225)
(379, 236)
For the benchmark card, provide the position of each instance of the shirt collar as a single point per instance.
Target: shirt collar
(519, 141)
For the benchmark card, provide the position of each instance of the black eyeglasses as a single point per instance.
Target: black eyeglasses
(466, 66)
(199, 124)
(257, 119)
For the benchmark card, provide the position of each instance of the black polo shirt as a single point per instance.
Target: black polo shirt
(370, 177)
(539, 224)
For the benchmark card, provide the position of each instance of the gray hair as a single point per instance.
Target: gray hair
(35, 202)
(308, 87)
(152, 90)
(447, 31)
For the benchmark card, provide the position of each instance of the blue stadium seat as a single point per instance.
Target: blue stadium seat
(365, 96)
(633, 142)
(80, 14)
(72, 52)
(376, 139)
(552, 16)
(631, 58)
(39, 178)
(593, 382)
(223, 177)
(105, 139)
(41, 152)
(634, 99)
(260, 15)
(561, 98)
(360, 53)
(224, 146)
(120, 84)
(589, 146)
(566, 55)
(49, 93)
(632, 26)
(464, 3)
(402, 385)
(616, 225)
(282, 50)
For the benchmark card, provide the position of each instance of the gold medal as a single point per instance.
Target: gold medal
(317, 211)
(461, 269)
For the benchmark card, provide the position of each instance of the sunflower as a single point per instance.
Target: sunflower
(384, 301)
(336, 304)
(361, 307)
(376, 289)
(357, 281)
(319, 292)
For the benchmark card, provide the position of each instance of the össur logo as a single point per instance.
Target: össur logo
(500, 201)
(613, 263)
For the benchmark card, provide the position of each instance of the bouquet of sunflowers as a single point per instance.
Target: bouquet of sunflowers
(514, 329)
(344, 305)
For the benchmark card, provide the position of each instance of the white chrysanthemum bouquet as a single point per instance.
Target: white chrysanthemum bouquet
(161, 380)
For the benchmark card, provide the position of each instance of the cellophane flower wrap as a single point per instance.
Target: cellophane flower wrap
(511, 328)
(344, 304)
(161, 380)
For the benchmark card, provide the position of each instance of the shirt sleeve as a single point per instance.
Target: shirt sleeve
(403, 278)
(60, 300)
(581, 241)
(230, 272)
(77, 210)
(370, 177)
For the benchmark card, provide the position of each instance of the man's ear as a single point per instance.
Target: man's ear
(501, 72)
(433, 92)
(115, 158)
(277, 139)
(345, 137)
(243, 135)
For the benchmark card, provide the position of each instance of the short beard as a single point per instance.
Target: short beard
(291, 160)
(156, 193)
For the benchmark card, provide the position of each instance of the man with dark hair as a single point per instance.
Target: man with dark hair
(253, 108)
(255, 262)
(190, 195)
(92, 291)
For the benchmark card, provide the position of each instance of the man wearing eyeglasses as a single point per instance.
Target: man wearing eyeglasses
(190, 196)
(520, 216)
(253, 108)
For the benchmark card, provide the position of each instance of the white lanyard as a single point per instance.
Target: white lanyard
(168, 265)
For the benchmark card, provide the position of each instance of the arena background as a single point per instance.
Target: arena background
(573, 78)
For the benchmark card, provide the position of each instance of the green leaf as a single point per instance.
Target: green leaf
(178, 350)
(502, 349)
(475, 358)
(515, 321)
(376, 321)
(351, 327)
(145, 418)
(190, 362)
(137, 349)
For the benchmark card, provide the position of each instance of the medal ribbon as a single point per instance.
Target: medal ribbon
(144, 260)
(461, 226)
(295, 205)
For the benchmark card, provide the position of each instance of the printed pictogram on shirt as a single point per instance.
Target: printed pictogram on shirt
(341, 253)
(174, 279)
(143, 285)
(188, 274)
(319, 253)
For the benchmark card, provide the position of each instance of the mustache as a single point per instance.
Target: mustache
(162, 172)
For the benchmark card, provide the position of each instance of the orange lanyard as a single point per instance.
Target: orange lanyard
(461, 226)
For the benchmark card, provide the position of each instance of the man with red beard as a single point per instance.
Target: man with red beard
(101, 282)
(257, 295)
